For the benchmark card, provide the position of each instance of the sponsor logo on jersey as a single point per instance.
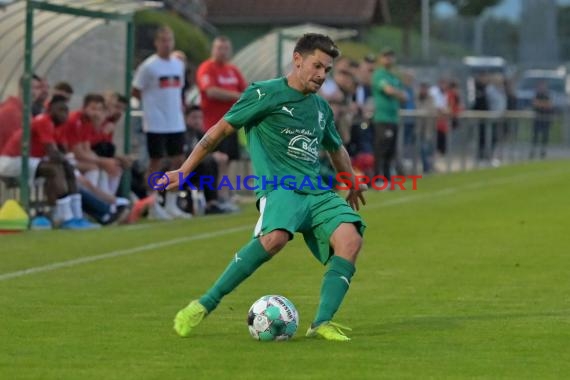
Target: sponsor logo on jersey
(304, 148)
(304, 131)
(229, 80)
(288, 110)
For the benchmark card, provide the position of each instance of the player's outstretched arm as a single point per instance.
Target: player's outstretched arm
(205, 146)
(341, 162)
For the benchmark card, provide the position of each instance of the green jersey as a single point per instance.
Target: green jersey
(285, 130)
(387, 107)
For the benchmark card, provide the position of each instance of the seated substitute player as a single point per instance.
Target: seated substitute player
(48, 162)
(102, 172)
(286, 124)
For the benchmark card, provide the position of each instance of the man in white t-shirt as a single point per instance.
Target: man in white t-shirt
(158, 83)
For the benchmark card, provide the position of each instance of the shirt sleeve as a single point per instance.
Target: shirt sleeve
(71, 133)
(253, 105)
(70, 136)
(331, 139)
(205, 77)
(380, 81)
(87, 133)
(140, 80)
(44, 132)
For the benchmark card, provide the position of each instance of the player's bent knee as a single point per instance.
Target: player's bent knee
(349, 247)
(354, 244)
(274, 241)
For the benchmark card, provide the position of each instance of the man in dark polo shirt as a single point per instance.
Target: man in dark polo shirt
(543, 108)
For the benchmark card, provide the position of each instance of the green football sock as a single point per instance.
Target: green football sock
(335, 285)
(244, 263)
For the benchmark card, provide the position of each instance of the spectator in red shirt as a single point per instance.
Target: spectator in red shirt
(48, 162)
(221, 84)
(11, 110)
(11, 117)
(454, 103)
(102, 136)
(77, 134)
(40, 93)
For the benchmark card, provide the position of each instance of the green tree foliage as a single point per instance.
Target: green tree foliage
(406, 14)
(189, 38)
(501, 38)
(377, 38)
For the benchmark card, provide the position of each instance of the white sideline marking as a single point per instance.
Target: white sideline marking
(119, 253)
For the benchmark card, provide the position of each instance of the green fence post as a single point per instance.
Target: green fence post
(27, 112)
(279, 52)
(126, 183)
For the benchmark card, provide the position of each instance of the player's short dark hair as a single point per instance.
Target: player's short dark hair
(314, 41)
(370, 58)
(93, 98)
(57, 99)
(64, 86)
(192, 108)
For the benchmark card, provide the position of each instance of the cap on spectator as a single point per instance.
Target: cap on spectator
(387, 51)
(370, 58)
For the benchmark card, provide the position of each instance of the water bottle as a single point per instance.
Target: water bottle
(198, 202)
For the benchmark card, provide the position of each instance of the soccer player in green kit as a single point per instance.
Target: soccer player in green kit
(286, 125)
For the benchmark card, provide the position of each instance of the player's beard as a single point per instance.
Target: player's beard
(314, 86)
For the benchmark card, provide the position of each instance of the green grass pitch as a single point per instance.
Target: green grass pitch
(467, 277)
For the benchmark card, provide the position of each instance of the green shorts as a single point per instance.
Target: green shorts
(316, 216)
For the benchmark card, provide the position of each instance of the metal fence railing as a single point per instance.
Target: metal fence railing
(480, 138)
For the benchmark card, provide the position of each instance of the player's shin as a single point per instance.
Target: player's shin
(334, 287)
(243, 264)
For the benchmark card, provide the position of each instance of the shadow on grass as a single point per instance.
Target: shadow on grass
(447, 322)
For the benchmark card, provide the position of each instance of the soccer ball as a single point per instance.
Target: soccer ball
(272, 318)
